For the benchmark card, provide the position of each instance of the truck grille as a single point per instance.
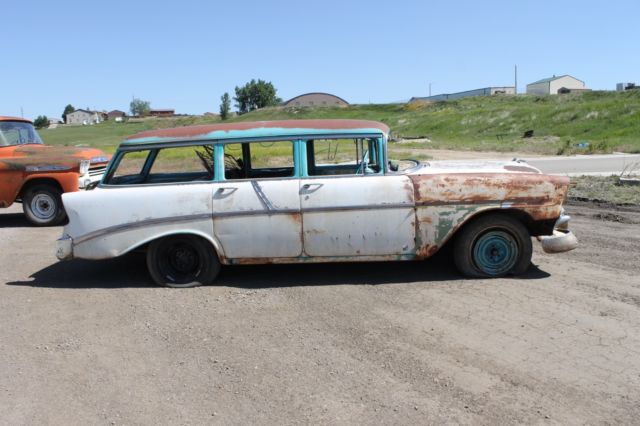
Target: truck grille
(97, 170)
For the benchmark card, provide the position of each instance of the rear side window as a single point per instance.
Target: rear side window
(163, 165)
(261, 160)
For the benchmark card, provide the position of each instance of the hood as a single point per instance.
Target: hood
(474, 166)
(58, 157)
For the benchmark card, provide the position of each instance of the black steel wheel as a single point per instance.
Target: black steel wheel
(182, 261)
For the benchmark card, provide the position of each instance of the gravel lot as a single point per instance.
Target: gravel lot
(385, 343)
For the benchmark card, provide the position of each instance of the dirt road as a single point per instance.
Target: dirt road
(385, 343)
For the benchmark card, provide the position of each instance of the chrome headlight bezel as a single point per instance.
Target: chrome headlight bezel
(84, 167)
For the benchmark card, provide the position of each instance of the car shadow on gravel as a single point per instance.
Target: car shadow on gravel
(14, 220)
(130, 272)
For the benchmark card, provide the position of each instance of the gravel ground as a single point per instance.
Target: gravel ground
(384, 343)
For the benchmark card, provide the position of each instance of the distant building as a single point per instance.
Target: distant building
(54, 121)
(621, 87)
(316, 99)
(116, 113)
(485, 91)
(162, 112)
(83, 116)
(554, 85)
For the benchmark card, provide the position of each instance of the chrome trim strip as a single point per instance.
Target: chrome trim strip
(263, 198)
(269, 211)
(140, 224)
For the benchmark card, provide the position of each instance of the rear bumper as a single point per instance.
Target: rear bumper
(64, 248)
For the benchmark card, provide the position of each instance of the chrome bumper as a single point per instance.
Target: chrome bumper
(64, 248)
(562, 239)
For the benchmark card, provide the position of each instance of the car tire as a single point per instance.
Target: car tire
(42, 204)
(494, 245)
(182, 261)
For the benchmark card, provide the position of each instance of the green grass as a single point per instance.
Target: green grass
(603, 121)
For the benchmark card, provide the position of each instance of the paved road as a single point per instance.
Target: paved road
(604, 165)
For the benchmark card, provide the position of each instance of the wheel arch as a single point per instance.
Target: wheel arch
(142, 245)
(518, 214)
(29, 183)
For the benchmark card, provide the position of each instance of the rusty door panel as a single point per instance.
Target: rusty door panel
(358, 216)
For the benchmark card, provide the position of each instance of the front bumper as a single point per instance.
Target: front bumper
(64, 248)
(559, 242)
(88, 180)
(562, 239)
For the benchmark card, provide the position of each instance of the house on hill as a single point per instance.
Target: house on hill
(84, 116)
(116, 115)
(555, 85)
(162, 112)
(316, 99)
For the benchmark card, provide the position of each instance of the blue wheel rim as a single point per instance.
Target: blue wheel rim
(495, 252)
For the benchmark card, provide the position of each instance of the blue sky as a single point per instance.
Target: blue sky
(185, 54)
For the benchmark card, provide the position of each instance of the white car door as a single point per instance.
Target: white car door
(258, 218)
(358, 215)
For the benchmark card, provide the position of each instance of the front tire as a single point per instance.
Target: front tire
(493, 246)
(42, 204)
(182, 261)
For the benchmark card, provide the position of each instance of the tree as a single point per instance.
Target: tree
(225, 106)
(254, 95)
(139, 107)
(41, 121)
(67, 110)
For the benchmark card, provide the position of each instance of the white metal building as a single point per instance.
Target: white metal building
(553, 85)
(485, 91)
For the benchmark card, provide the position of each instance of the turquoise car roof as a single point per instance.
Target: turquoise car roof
(259, 129)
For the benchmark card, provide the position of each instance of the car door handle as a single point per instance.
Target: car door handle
(309, 185)
(224, 191)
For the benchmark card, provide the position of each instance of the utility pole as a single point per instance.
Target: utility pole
(21, 112)
(429, 89)
(516, 79)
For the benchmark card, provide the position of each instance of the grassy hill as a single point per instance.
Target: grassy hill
(583, 122)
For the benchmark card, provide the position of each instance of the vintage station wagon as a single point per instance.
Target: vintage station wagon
(291, 191)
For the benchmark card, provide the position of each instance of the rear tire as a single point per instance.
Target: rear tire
(182, 261)
(42, 204)
(493, 246)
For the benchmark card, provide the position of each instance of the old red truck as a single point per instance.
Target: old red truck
(36, 174)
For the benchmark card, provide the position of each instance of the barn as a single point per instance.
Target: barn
(317, 99)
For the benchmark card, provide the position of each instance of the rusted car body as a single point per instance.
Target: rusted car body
(36, 174)
(328, 193)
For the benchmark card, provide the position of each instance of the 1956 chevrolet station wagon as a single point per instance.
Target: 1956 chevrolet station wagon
(291, 191)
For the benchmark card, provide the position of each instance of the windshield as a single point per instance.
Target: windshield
(18, 133)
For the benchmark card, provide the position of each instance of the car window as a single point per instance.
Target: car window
(183, 163)
(164, 165)
(128, 169)
(342, 156)
(258, 160)
(18, 133)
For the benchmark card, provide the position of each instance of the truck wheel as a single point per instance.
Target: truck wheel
(42, 204)
(182, 261)
(493, 246)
